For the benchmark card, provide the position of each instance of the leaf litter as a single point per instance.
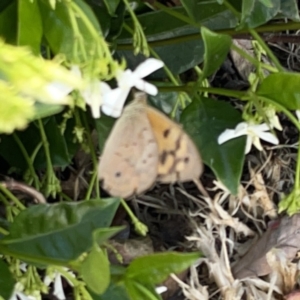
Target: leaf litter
(249, 252)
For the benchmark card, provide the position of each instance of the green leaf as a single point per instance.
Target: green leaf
(30, 29)
(267, 3)
(58, 232)
(113, 292)
(217, 47)
(58, 29)
(95, 271)
(186, 52)
(42, 110)
(289, 9)
(111, 6)
(117, 22)
(190, 7)
(283, 88)
(256, 13)
(7, 281)
(164, 102)
(155, 268)
(8, 22)
(103, 128)
(204, 120)
(101, 235)
(31, 138)
(140, 291)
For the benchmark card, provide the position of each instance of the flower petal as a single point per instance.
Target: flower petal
(58, 288)
(92, 95)
(161, 289)
(113, 102)
(21, 295)
(58, 92)
(242, 127)
(268, 137)
(47, 280)
(76, 71)
(275, 123)
(14, 296)
(248, 144)
(228, 134)
(256, 143)
(126, 79)
(147, 67)
(298, 114)
(259, 128)
(146, 87)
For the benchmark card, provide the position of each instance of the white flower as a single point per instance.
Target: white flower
(253, 132)
(58, 290)
(93, 92)
(273, 118)
(18, 293)
(58, 92)
(161, 289)
(93, 95)
(113, 101)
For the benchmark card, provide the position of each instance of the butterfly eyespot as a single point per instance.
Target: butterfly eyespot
(166, 133)
(118, 174)
(186, 160)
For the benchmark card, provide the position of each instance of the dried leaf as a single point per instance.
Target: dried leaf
(262, 195)
(281, 234)
(283, 270)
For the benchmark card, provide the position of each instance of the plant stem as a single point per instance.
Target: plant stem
(4, 231)
(231, 32)
(216, 91)
(267, 49)
(92, 182)
(28, 160)
(93, 155)
(46, 148)
(254, 61)
(297, 176)
(176, 14)
(12, 197)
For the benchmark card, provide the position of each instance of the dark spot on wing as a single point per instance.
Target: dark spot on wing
(186, 159)
(166, 133)
(163, 157)
(118, 174)
(177, 145)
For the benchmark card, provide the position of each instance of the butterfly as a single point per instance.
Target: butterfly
(145, 146)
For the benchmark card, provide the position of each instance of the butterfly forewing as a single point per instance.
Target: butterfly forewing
(179, 159)
(128, 164)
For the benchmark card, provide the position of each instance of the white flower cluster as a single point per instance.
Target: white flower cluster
(55, 278)
(99, 94)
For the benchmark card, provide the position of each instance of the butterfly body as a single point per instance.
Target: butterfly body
(144, 146)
